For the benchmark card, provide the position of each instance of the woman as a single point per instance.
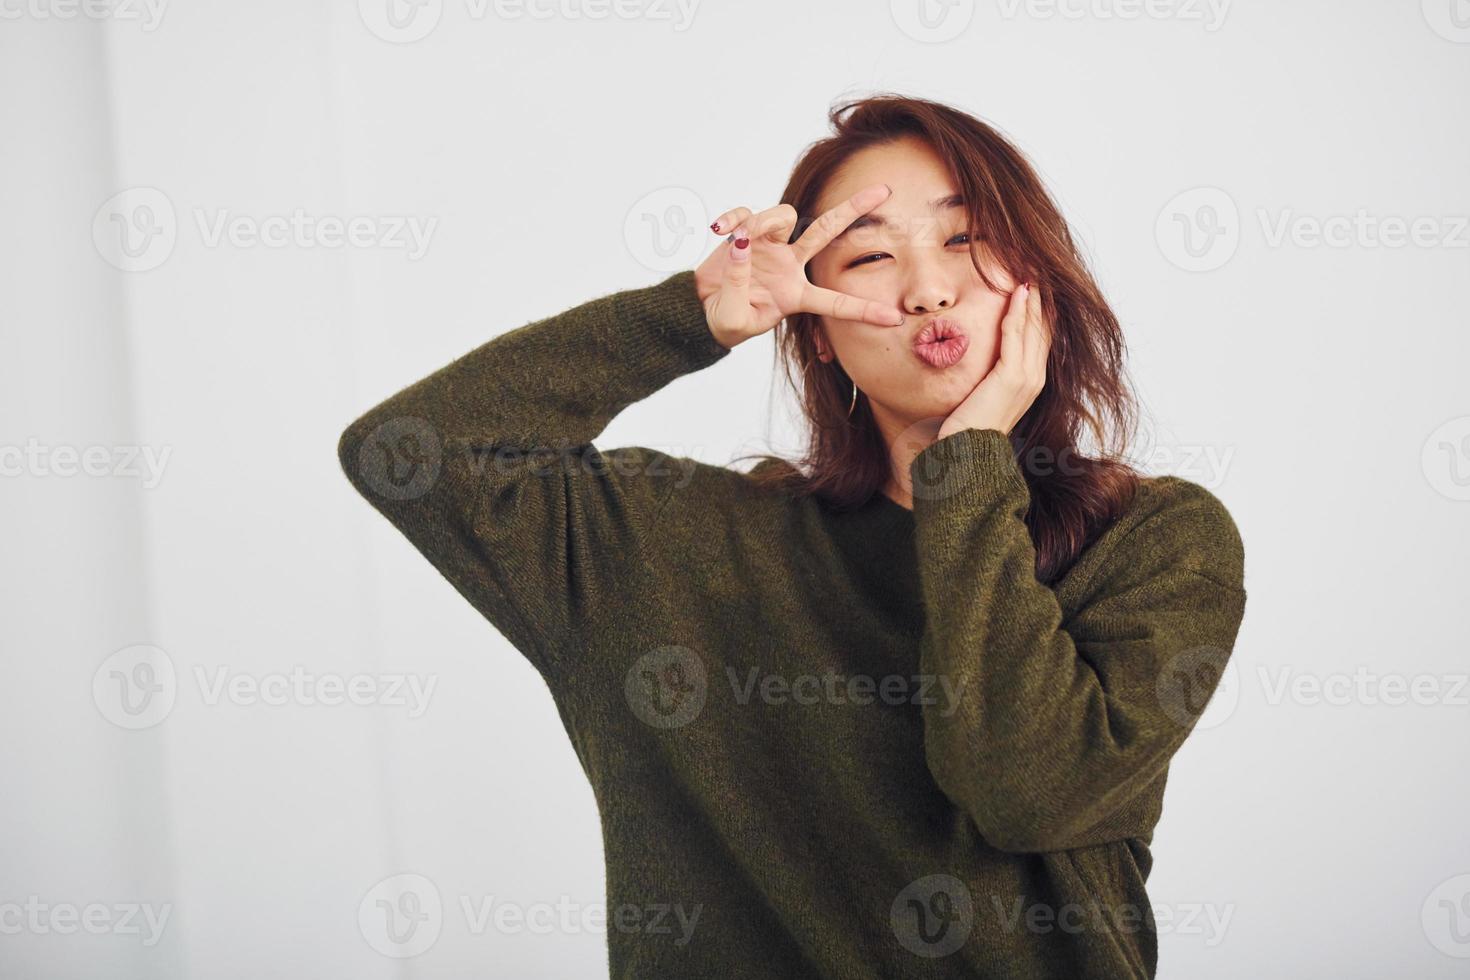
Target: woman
(906, 709)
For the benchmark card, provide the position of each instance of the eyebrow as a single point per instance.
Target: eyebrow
(871, 220)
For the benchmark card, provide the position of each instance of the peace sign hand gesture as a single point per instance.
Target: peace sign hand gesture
(748, 288)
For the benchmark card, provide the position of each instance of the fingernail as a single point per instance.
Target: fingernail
(742, 242)
(715, 227)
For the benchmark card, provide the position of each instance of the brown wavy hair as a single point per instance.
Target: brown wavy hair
(1074, 497)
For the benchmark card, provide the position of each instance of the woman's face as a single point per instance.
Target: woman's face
(913, 253)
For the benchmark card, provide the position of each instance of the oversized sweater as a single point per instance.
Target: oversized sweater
(854, 745)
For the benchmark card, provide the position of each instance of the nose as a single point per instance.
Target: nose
(927, 290)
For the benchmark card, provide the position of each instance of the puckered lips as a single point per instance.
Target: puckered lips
(941, 342)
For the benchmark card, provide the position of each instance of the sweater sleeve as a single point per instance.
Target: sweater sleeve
(487, 465)
(1059, 726)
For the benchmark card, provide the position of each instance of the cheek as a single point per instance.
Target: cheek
(984, 349)
(985, 341)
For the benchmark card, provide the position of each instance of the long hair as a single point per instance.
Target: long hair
(1074, 497)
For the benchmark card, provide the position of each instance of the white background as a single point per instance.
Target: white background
(1318, 389)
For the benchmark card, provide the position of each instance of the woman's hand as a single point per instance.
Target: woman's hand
(747, 290)
(1004, 395)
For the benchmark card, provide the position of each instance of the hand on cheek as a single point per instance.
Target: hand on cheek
(1011, 387)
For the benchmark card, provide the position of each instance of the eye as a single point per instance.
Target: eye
(863, 260)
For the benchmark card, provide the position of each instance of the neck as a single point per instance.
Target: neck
(905, 439)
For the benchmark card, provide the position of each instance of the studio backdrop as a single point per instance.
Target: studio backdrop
(236, 706)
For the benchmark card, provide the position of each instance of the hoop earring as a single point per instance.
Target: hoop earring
(851, 405)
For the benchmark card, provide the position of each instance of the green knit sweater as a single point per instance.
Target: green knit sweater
(845, 745)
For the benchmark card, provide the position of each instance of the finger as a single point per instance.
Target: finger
(1012, 327)
(832, 223)
(729, 220)
(1038, 339)
(735, 289)
(841, 306)
(773, 224)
